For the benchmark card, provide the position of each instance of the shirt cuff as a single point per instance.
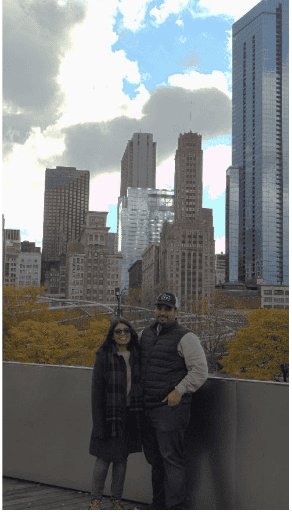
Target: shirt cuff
(180, 389)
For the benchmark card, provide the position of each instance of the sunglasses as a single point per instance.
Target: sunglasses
(119, 331)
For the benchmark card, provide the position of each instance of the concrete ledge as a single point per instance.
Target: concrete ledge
(236, 446)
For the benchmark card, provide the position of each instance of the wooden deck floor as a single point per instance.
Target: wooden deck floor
(22, 495)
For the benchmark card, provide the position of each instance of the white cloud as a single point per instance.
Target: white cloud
(165, 174)
(182, 39)
(134, 13)
(193, 80)
(224, 7)
(92, 71)
(23, 178)
(216, 161)
(220, 245)
(166, 8)
(229, 46)
(179, 22)
(104, 190)
(133, 108)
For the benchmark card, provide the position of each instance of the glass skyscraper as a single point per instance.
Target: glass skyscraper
(231, 224)
(260, 115)
(141, 216)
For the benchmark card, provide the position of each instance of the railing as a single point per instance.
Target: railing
(236, 445)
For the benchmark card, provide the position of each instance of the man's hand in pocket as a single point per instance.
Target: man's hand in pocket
(173, 398)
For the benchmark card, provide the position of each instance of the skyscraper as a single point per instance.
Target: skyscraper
(141, 216)
(231, 225)
(187, 247)
(66, 202)
(138, 165)
(260, 116)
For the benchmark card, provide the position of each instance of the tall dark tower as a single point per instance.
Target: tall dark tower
(66, 202)
(138, 165)
(188, 177)
(187, 246)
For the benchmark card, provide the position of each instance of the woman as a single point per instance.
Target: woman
(116, 407)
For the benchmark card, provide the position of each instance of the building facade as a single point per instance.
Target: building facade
(220, 260)
(275, 297)
(135, 275)
(141, 216)
(27, 246)
(231, 224)
(11, 257)
(150, 273)
(260, 117)
(65, 205)
(187, 246)
(22, 268)
(138, 165)
(93, 268)
(30, 269)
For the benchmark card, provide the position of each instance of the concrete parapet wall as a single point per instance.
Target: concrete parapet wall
(236, 445)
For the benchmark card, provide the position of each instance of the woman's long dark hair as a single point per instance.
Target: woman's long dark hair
(109, 342)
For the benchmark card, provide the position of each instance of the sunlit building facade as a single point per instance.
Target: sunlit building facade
(260, 142)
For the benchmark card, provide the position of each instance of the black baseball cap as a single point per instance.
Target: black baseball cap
(167, 299)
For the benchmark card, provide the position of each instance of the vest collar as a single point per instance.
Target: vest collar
(160, 328)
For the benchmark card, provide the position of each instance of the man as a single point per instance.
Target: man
(173, 367)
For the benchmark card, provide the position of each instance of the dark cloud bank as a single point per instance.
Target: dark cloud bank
(99, 147)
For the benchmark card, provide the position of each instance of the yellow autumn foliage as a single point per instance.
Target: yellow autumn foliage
(34, 334)
(261, 350)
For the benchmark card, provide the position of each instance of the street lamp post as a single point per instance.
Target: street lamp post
(117, 293)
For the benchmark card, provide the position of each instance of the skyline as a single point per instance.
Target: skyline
(161, 68)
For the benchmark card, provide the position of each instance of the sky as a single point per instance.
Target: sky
(81, 76)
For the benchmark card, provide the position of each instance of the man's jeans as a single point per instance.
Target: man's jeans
(163, 430)
(99, 474)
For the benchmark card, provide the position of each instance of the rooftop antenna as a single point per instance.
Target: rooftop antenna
(191, 117)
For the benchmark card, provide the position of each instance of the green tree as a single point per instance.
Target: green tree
(261, 350)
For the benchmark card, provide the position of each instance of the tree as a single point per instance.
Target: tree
(35, 334)
(54, 343)
(214, 325)
(212, 319)
(261, 350)
(18, 305)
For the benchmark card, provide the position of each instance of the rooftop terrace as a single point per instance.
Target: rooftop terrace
(236, 445)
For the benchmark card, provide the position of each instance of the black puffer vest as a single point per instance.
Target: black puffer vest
(162, 366)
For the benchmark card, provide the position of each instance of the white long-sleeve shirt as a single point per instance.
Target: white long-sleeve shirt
(192, 351)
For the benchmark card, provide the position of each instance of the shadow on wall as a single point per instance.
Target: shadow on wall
(236, 450)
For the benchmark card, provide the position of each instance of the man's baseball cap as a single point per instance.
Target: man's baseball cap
(167, 299)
